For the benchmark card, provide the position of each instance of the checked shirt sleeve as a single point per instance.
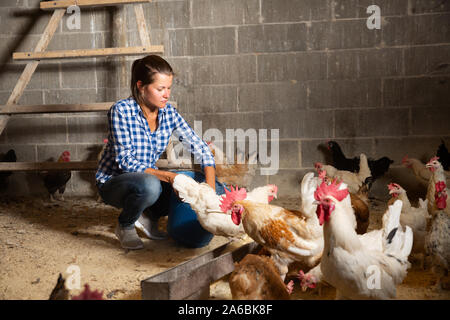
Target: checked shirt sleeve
(123, 144)
(197, 146)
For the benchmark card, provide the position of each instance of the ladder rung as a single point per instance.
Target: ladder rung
(47, 166)
(50, 5)
(55, 108)
(86, 53)
(72, 165)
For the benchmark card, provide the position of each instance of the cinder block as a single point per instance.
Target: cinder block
(294, 10)
(342, 35)
(23, 21)
(183, 69)
(344, 9)
(39, 130)
(46, 152)
(372, 63)
(224, 69)
(223, 13)
(422, 148)
(344, 93)
(46, 76)
(79, 74)
(24, 152)
(86, 129)
(431, 120)
(429, 6)
(232, 121)
(28, 97)
(75, 40)
(427, 60)
(280, 96)
(82, 183)
(423, 29)
(372, 122)
(317, 151)
(90, 152)
(184, 98)
(75, 96)
(421, 91)
(292, 66)
(202, 42)
(12, 3)
(213, 99)
(272, 38)
(300, 124)
(288, 181)
(289, 154)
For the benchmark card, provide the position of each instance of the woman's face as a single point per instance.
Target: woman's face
(157, 93)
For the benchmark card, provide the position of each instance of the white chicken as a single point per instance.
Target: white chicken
(415, 218)
(206, 204)
(437, 244)
(358, 271)
(354, 181)
(436, 203)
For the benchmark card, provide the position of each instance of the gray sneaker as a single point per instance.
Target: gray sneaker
(129, 239)
(149, 228)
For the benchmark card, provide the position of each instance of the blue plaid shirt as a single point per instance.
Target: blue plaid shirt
(132, 147)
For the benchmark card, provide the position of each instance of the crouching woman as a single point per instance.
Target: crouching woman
(139, 130)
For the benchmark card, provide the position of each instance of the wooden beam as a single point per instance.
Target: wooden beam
(55, 108)
(142, 26)
(51, 5)
(86, 53)
(58, 108)
(72, 165)
(31, 66)
(47, 166)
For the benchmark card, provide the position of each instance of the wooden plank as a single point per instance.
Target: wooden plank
(86, 53)
(55, 108)
(31, 66)
(142, 26)
(72, 165)
(50, 5)
(47, 166)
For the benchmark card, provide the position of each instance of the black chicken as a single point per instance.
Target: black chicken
(57, 180)
(444, 156)
(10, 156)
(340, 162)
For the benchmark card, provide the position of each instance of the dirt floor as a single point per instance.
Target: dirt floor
(40, 239)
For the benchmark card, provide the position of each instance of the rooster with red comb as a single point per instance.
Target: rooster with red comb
(285, 233)
(57, 180)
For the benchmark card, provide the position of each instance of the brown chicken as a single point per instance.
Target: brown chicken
(57, 180)
(256, 278)
(360, 204)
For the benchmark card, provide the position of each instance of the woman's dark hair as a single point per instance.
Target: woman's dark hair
(144, 70)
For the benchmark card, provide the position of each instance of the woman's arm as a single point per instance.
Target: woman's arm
(210, 176)
(165, 176)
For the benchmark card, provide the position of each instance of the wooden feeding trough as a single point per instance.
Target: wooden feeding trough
(191, 280)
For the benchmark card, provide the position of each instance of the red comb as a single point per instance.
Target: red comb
(433, 159)
(105, 140)
(87, 294)
(275, 188)
(405, 159)
(440, 186)
(330, 190)
(231, 196)
(393, 186)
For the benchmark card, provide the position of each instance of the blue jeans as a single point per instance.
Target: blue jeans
(135, 192)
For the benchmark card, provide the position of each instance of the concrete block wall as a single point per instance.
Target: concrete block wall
(310, 68)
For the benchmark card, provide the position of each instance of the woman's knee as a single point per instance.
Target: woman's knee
(150, 187)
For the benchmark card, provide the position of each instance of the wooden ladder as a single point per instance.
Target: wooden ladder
(11, 108)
